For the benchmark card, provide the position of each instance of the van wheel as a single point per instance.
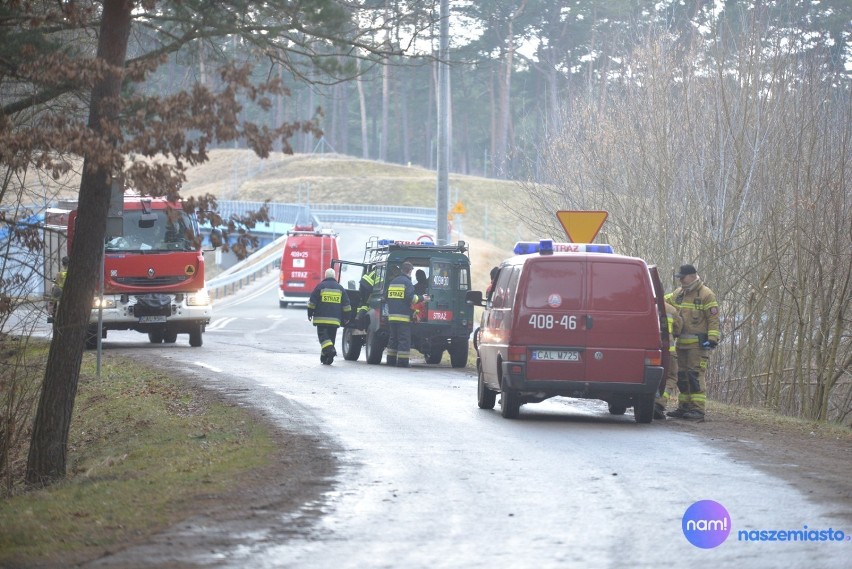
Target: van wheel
(195, 339)
(170, 337)
(485, 397)
(643, 409)
(617, 409)
(375, 347)
(434, 356)
(510, 404)
(458, 353)
(282, 304)
(351, 345)
(156, 336)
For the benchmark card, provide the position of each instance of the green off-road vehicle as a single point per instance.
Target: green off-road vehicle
(443, 323)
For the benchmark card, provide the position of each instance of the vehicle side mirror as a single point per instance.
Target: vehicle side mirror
(474, 297)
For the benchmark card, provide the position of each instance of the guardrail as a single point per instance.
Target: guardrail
(268, 258)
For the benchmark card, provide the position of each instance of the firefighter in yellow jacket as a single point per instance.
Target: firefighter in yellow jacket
(400, 301)
(328, 308)
(699, 310)
(675, 325)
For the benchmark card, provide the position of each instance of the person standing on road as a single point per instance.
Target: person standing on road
(365, 289)
(699, 310)
(675, 325)
(328, 308)
(401, 298)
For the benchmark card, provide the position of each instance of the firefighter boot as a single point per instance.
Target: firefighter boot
(328, 354)
(694, 415)
(677, 413)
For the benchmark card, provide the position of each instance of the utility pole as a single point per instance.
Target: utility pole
(443, 124)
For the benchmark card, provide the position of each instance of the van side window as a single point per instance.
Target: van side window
(500, 295)
(555, 285)
(620, 287)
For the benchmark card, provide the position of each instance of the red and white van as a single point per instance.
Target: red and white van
(572, 320)
(307, 254)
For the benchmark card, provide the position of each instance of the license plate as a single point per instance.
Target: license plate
(556, 355)
(152, 319)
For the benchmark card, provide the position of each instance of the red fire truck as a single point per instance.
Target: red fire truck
(153, 270)
(307, 254)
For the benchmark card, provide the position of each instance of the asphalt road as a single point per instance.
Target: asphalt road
(427, 479)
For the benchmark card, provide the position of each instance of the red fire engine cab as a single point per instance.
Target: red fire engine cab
(153, 278)
(307, 254)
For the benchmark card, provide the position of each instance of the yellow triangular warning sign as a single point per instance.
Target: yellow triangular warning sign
(581, 226)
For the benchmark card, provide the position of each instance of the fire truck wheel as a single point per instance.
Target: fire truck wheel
(434, 355)
(282, 304)
(155, 336)
(195, 336)
(375, 347)
(91, 338)
(351, 345)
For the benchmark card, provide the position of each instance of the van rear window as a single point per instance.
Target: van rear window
(619, 287)
(555, 285)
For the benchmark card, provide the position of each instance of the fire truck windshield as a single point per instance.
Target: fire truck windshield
(171, 231)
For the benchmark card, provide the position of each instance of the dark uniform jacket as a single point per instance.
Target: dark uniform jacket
(329, 304)
(400, 298)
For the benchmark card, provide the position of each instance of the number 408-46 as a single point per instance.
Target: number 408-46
(548, 322)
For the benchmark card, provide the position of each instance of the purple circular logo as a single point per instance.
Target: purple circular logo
(706, 524)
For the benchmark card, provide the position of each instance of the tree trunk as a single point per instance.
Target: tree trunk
(49, 444)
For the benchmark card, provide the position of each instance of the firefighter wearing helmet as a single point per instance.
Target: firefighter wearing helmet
(699, 310)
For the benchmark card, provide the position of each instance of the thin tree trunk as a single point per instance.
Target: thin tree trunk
(49, 445)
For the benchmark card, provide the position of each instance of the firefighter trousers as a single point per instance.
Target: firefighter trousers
(671, 382)
(327, 336)
(692, 363)
(399, 343)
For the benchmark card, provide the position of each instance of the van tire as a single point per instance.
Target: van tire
(643, 409)
(458, 353)
(375, 347)
(170, 337)
(617, 408)
(434, 355)
(351, 345)
(282, 304)
(485, 397)
(510, 403)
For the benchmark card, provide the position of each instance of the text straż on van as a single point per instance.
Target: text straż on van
(307, 253)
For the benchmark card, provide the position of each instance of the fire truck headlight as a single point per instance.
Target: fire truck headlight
(108, 302)
(199, 298)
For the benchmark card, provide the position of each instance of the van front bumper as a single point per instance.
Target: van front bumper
(514, 377)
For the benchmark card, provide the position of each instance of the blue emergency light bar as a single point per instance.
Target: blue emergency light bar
(547, 246)
(386, 242)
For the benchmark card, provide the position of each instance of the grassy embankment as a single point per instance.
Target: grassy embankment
(145, 450)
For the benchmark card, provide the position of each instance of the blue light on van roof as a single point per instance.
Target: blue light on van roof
(546, 246)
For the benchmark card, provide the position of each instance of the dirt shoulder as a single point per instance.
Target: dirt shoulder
(813, 457)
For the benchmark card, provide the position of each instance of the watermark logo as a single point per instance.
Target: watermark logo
(706, 524)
